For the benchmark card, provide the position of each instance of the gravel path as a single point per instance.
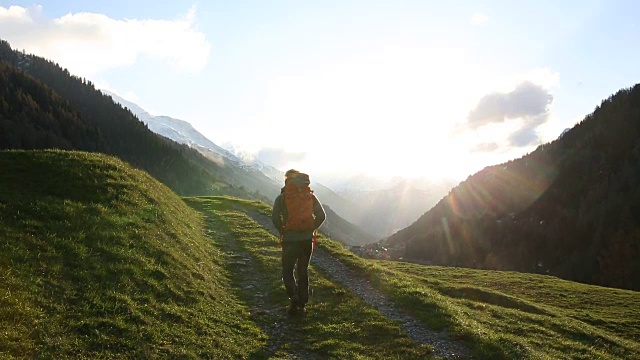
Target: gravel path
(444, 346)
(271, 317)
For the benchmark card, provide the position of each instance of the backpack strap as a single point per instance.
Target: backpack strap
(285, 214)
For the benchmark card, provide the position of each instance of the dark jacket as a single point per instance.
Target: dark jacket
(279, 215)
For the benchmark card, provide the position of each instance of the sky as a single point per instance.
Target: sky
(434, 89)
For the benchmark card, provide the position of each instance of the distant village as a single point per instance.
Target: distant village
(382, 252)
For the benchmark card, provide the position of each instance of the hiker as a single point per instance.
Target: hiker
(297, 214)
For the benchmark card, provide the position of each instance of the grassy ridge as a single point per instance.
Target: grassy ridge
(98, 260)
(512, 315)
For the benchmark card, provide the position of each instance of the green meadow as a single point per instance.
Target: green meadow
(99, 260)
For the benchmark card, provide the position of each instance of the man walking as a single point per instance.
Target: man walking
(297, 214)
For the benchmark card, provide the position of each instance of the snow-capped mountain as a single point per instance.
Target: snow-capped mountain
(177, 130)
(254, 162)
(182, 132)
(237, 171)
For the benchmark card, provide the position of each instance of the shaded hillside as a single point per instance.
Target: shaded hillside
(33, 116)
(571, 208)
(63, 111)
(102, 261)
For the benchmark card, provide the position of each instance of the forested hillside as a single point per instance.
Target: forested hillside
(571, 208)
(33, 116)
(43, 106)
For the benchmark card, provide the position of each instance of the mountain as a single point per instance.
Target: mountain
(383, 206)
(379, 206)
(571, 208)
(118, 132)
(44, 106)
(343, 231)
(183, 132)
(34, 115)
(177, 130)
(385, 211)
(361, 181)
(249, 175)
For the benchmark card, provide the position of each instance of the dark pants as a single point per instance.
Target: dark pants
(298, 286)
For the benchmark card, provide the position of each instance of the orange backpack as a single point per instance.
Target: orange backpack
(298, 199)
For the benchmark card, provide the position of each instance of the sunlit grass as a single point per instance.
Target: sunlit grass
(508, 314)
(98, 260)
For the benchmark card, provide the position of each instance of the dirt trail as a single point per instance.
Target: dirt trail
(269, 316)
(444, 346)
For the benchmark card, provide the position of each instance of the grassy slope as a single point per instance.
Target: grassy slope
(511, 315)
(98, 260)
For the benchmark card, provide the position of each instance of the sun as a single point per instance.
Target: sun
(385, 113)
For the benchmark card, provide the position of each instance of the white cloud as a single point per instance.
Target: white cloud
(17, 14)
(527, 100)
(88, 43)
(512, 116)
(479, 19)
